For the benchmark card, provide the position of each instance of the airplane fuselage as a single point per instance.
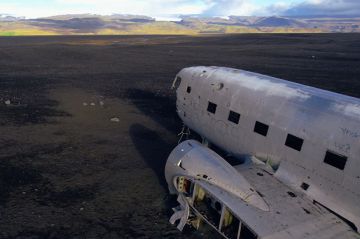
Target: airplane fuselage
(310, 137)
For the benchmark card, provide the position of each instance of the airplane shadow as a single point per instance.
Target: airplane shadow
(158, 106)
(152, 148)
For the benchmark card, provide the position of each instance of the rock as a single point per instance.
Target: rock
(85, 104)
(101, 103)
(8, 102)
(115, 119)
(92, 104)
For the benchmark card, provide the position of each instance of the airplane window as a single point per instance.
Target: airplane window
(294, 142)
(305, 186)
(188, 90)
(261, 128)
(234, 117)
(335, 160)
(211, 107)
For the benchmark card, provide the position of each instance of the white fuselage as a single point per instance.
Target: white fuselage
(311, 137)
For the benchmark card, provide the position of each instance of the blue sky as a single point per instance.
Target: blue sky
(164, 9)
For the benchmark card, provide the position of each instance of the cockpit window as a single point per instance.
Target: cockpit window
(176, 82)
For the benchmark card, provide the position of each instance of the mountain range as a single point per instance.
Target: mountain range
(90, 24)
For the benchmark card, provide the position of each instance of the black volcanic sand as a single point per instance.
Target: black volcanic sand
(68, 171)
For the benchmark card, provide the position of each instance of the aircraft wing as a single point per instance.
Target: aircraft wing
(291, 215)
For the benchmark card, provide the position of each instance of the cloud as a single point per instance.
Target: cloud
(160, 9)
(19, 10)
(171, 9)
(154, 8)
(324, 8)
(283, 8)
(230, 7)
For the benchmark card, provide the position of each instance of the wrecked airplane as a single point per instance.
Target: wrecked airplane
(297, 167)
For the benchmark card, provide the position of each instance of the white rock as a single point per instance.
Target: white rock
(101, 103)
(115, 119)
(85, 104)
(8, 102)
(92, 104)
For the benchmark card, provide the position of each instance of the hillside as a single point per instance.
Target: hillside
(90, 24)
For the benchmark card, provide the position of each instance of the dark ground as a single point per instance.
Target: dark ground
(67, 171)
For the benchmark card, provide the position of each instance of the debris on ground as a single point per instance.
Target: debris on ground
(115, 119)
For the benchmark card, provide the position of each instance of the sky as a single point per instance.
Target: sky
(172, 9)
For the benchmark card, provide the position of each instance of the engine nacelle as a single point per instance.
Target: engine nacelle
(191, 159)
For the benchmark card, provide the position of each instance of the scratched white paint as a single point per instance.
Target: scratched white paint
(256, 83)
